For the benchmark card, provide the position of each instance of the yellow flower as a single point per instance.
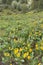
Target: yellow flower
(36, 46)
(28, 45)
(10, 64)
(6, 54)
(10, 48)
(29, 57)
(41, 43)
(41, 48)
(16, 51)
(25, 55)
(15, 40)
(26, 48)
(30, 50)
(39, 63)
(21, 49)
(18, 55)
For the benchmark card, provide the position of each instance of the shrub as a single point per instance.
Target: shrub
(14, 4)
(24, 1)
(9, 1)
(24, 8)
(17, 0)
(4, 1)
(19, 7)
(1, 8)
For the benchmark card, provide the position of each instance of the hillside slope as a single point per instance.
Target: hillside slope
(23, 33)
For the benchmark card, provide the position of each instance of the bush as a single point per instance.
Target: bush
(24, 8)
(19, 7)
(4, 1)
(14, 4)
(9, 1)
(24, 1)
(17, 0)
(1, 8)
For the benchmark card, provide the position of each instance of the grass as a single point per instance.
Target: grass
(21, 31)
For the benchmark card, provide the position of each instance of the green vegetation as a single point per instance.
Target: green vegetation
(21, 38)
(21, 32)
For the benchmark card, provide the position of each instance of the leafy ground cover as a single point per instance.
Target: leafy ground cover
(21, 38)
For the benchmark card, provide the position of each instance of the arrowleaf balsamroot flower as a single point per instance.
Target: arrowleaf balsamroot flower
(39, 63)
(29, 57)
(16, 51)
(36, 46)
(25, 55)
(15, 40)
(10, 48)
(11, 64)
(18, 54)
(21, 49)
(6, 54)
(30, 50)
(41, 48)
